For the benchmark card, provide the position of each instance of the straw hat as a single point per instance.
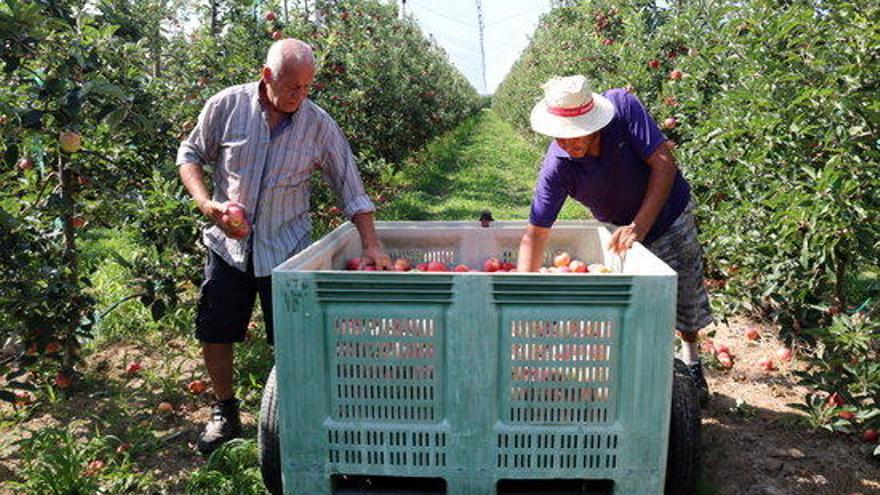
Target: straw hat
(570, 109)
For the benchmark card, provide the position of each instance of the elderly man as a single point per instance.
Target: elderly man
(263, 139)
(610, 155)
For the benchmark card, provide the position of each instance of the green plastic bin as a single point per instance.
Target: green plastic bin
(473, 379)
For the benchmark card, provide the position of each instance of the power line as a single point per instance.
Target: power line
(518, 14)
(482, 40)
(440, 14)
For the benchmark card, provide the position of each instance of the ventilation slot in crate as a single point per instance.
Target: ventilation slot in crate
(426, 255)
(383, 287)
(583, 289)
(385, 369)
(386, 448)
(537, 451)
(560, 371)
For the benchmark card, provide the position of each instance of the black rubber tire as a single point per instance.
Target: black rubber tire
(683, 460)
(267, 437)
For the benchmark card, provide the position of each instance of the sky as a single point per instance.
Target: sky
(454, 25)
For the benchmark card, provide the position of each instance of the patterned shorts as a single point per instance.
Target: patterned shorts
(680, 249)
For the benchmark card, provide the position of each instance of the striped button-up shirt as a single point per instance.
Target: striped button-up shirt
(268, 172)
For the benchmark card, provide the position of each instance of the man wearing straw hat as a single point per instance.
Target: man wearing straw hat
(610, 155)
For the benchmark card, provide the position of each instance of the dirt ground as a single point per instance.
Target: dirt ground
(753, 442)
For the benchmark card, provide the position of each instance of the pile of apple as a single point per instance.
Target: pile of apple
(563, 263)
(405, 265)
(235, 221)
(725, 357)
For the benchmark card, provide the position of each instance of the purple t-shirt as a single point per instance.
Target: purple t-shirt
(613, 184)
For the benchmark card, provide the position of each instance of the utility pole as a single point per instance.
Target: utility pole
(482, 27)
(402, 9)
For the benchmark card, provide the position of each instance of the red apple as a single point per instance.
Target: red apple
(22, 398)
(270, 16)
(847, 415)
(784, 354)
(241, 232)
(78, 222)
(767, 364)
(836, 400)
(25, 164)
(234, 217)
(277, 35)
(369, 268)
(252, 325)
(32, 350)
(83, 181)
(94, 468)
(722, 349)
(461, 268)
(422, 267)
(196, 387)
(508, 266)
(562, 259)
(725, 360)
(62, 380)
(675, 75)
(870, 435)
(133, 368)
(402, 265)
(607, 42)
(753, 334)
(492, 265)
(334, 210)
(654, 63)
(53, 347)
(578, 266)
(670, 123)
(436, 266)
(353, 264)
(165, 408)
(70, 142)
(671, 101)
(123, 447)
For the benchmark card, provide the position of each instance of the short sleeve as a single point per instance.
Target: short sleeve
(644, 133)
(550, 193)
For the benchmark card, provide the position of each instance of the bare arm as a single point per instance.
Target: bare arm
(663, 171)
(193, 177)
(370, 241)
(532, 247)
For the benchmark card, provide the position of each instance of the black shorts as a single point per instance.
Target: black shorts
(226, 302)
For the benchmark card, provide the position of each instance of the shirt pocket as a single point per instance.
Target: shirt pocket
(297, 164)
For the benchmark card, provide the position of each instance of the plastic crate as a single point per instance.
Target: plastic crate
(473, 377)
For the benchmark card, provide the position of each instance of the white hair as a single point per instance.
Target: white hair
(289, 52)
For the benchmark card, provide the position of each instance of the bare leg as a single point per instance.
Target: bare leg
(218, 360)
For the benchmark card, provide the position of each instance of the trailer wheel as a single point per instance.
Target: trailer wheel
(683, 459)
(267, 437)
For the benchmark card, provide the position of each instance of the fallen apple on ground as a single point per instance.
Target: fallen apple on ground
(196, 387)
